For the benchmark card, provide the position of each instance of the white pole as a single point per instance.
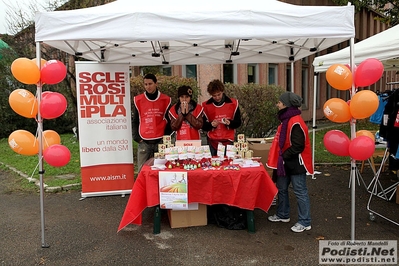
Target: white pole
(40, 142)
(314, 119)
(353, 135)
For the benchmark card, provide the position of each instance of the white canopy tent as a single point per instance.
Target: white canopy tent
(179, 32)
(211, 32)
(383, 46)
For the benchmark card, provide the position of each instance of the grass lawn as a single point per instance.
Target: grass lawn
(29, 165)
(321, 155)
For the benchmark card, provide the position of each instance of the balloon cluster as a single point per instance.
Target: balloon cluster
(363, 104)
(52, 105)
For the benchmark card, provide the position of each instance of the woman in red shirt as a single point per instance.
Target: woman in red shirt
(186, 116)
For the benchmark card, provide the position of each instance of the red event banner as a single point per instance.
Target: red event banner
(105, 131)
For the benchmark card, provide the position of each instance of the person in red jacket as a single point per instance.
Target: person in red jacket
(186, 115)
(221, 117)
(290, 157)
(149, 119)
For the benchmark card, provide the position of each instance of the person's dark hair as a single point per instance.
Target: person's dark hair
(215, 86)
(151, 76)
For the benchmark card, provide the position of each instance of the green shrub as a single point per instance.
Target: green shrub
(166, 84)
(258, 108)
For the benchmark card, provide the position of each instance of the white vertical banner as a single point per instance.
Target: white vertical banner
(105, 131)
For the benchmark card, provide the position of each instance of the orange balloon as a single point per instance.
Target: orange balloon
(339, 77)
(42, 62)
(50, 137)
(363, 104)
(337, 110)
(23, 142)
(365, 133)
(24, 103)
(25, 71)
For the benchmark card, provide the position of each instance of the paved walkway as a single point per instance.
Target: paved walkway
(85, 232)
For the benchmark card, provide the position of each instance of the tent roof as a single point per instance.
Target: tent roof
(383, 46)
(179, 32)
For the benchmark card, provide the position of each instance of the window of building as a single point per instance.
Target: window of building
(228, 73)
(190, 71)
(167, 70)
(328, 91)
(305, 82)
(318, 93)
(347, 95)
(305, 87)
(252, 76)
(273, 74)
(288, 79)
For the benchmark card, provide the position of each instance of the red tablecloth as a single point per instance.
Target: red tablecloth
(247, 188)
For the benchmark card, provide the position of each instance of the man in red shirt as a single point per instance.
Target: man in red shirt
(221, 117)
(149, 119)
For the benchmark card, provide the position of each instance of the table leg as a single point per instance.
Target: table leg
(157, 220)
(251, 221)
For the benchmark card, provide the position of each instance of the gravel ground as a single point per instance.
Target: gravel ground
(85, 232)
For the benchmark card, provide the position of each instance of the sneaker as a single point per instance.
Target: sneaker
(274, 202)
(298, 228)
(275, 218)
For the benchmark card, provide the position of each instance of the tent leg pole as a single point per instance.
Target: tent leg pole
(157, 220)
(353, 135)
(315, 78)
(40, 142)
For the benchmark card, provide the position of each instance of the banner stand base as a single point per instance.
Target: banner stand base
(105, 193)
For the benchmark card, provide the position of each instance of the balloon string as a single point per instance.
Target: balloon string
(33, 105)
(40, 160)
(43, 136)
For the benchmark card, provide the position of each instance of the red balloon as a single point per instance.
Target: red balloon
(46, 92)
(361, 148)
(337, 142)
(52, 105)
(57, 155)
(368, 72)
(53, 72)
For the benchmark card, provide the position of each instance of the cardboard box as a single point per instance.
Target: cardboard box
(178, 219)
(261, 150)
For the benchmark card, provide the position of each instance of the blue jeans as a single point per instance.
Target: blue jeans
(302, 197)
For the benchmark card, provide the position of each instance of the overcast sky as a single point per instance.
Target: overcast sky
(17, 4)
